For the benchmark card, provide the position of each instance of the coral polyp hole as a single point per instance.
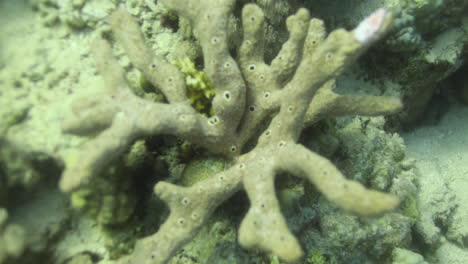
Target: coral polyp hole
(252, 67)
(213, 121)
(227, 95)
(241, 166)
(290, 108)
(261, 77)
(252, 18)
(170, 79)
(329, 56)
(281, 144)
(185, 201)
(215, 40)
(153, 66)
(268, 133)
(181, 221)
(252, 108)
(227, 65)
(233, 149)
(266, 95)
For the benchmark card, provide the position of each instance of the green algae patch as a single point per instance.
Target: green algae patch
(202, 168)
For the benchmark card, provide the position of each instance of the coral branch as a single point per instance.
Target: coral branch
(190, 208)
(328, 104)
(347, 194)
(160, 73)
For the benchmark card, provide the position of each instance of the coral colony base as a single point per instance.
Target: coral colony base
(288, 95)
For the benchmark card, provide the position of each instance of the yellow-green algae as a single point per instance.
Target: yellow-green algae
(199, 87)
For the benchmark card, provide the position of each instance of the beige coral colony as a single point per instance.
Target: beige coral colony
(292, 92)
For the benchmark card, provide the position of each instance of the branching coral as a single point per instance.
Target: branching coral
(268, 104)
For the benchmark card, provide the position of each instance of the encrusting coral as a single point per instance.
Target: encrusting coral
(267, 104)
